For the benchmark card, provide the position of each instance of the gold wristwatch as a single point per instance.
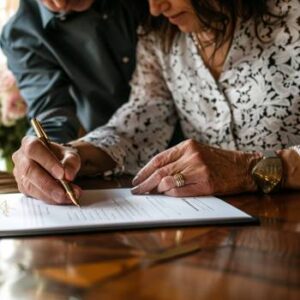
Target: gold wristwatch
(267, 173)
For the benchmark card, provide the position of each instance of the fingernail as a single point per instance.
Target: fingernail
(135, 190)
(58, 172)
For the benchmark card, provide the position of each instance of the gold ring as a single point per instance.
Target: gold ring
(179, 180)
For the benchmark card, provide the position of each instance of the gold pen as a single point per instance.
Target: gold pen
(41, 134)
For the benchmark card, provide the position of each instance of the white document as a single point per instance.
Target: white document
(111, 209)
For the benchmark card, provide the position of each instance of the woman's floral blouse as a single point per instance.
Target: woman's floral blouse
(254, 105)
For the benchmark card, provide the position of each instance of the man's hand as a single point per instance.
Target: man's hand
(67, 5)
(206, 171)
(37, 170)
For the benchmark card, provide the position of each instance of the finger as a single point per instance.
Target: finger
(190, 190)
(77, 190)
(39, 184)
(158, 162)
(48, 185)
(36, 151)
(33, 180)
(153, 181)
(30, 189)
(169, 183)
(72, 164)
(55, 194)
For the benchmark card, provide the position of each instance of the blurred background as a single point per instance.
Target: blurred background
(13, 123)
(7, 9)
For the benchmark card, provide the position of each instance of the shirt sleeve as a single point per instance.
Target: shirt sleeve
(142, 127)
(43, 84)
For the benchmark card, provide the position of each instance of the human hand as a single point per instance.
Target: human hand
(68, 5)
(206, 171)
(291, 167)
(37, 170)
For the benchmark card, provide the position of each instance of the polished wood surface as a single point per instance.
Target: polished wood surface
(208, 262)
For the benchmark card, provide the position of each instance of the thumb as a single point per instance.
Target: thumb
(72, 163)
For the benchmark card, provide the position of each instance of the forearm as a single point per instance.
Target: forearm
(93, 159)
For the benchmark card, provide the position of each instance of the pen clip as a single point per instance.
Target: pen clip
(41, 134)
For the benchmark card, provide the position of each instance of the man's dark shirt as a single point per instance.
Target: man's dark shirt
(73, 70)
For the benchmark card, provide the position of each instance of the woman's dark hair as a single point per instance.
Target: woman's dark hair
(139, 9)
(219, 17)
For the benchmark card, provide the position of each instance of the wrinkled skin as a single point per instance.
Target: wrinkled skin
(206, 171)
(37, 170)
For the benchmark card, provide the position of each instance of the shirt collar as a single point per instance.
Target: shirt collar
(46, 15)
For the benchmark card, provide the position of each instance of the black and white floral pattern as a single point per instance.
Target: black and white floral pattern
(254, 105)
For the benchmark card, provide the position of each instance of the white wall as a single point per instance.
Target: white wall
(7, 9)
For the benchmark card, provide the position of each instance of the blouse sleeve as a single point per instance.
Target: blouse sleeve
(143, 126)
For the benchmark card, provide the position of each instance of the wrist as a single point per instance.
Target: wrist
(94, 161)
(268, 172)
(291, 167)
(251, 159)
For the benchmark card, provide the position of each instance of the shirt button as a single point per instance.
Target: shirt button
(125, 59)
(105, 17)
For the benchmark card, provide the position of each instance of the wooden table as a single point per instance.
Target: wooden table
(229, 262)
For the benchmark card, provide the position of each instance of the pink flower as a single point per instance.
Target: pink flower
(12, 105)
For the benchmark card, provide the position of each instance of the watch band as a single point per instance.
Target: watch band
(267, 173)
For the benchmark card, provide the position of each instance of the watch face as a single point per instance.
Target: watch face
(268, 173)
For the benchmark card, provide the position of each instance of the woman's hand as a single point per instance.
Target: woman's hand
(37, 170)
(206, 171)
(68, 5)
